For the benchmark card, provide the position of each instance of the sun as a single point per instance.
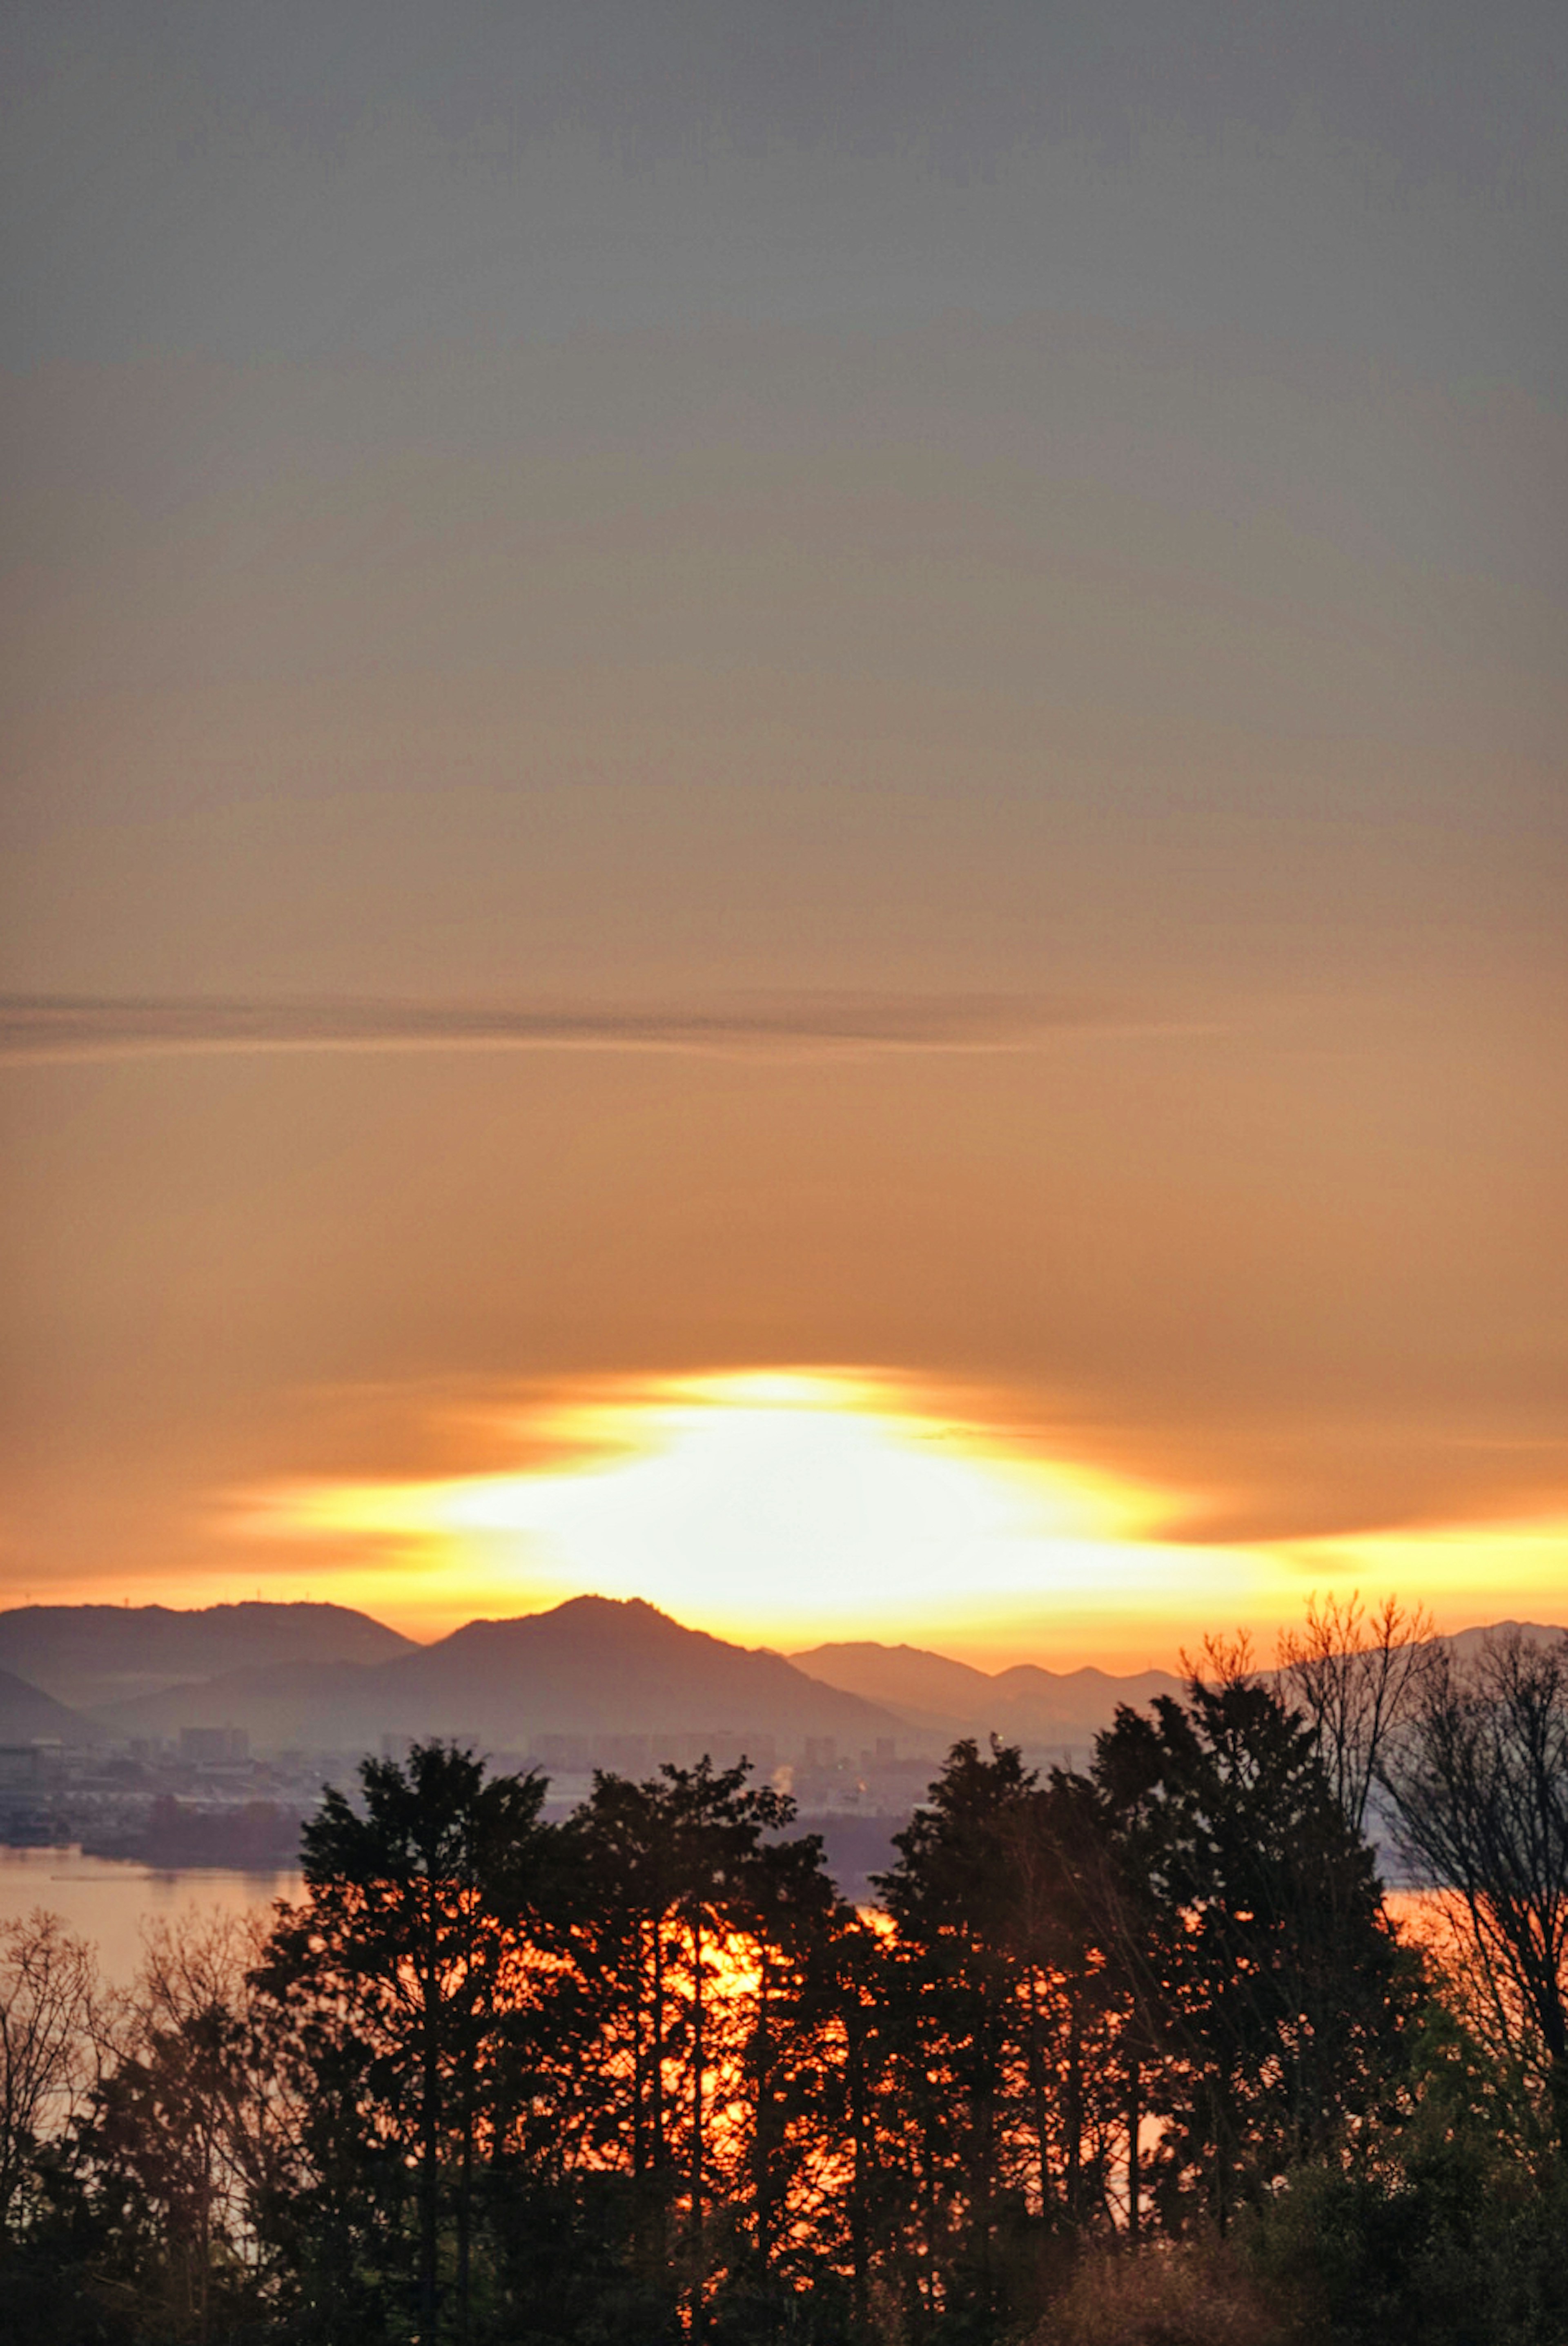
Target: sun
(791, 1506)
(782, 1507)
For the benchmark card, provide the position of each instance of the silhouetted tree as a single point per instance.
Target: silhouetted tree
(681, 2020)
(48, 1982)
(145, 2205)
(1357, 1676)
(400, 1983)
(1479, 1779)
(996, 2011)
(1263, 1960)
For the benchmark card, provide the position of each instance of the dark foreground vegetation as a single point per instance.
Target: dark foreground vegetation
(1131, 2055)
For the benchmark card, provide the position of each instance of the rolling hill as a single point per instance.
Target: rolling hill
(1037, 1708)
(593, 1666)
(940, 1698)
(27, 1715)
(92, 1655)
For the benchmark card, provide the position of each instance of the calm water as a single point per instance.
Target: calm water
(109, 1900)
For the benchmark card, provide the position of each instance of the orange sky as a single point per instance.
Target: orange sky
(708, 702)
(785, 1507)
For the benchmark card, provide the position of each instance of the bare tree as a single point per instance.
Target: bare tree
(1356, 1675)
(192, 2116)
(1478, 1776)
(47, 1983)
(1221, 1662)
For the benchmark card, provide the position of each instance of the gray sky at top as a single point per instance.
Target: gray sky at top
(290, 181)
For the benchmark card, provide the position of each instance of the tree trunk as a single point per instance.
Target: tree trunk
(429, 2147)
(860, 2152)
(1075, 2103)
(1135, 2125)
(698, 2050)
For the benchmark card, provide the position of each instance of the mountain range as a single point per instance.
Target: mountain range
(617, 1675)
(317, 1678)
(947, 1700)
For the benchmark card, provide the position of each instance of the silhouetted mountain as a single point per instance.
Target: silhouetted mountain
(321, 1677)
(27, 1715)
(946, 1700)
(917, 1685)
(92, 1655)
(591, 1667)
(935, 1696)
(1466, 1642)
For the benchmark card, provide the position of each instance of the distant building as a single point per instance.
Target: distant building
(213, 1747)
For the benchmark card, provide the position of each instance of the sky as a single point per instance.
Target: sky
(784, 817)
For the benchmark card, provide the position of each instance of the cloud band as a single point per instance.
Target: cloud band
(51, 1027)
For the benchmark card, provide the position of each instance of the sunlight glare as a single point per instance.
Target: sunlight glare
(785, 1505)
(791, 1506)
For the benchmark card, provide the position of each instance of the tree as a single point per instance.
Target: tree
(1357, 1676)
(1000, 2024)
(402, 1982)
(142, 2221)
(952, 1983)
(1479, 1779)
(48, 1982)
(182, 2138)
(678, 2028)
(1258, 1947)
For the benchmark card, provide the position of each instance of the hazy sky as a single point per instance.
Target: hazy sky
(692, 689)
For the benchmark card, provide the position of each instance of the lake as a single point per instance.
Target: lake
(109, 1900)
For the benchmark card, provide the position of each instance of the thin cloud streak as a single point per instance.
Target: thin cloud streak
(41, 1028)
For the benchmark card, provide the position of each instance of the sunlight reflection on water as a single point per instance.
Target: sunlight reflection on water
(109, 1900)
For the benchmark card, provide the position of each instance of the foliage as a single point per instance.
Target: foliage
(1270, 1978)
(401, 1998)
(1195, 2294)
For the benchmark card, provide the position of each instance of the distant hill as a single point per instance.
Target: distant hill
(308, 1705)
(1465, 1643)
(1027, 1704)
(917, 1685)
(29, 1716)
(593, 1666)
(933, 1696)
(92, 1655)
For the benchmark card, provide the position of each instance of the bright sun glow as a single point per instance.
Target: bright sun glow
(787, 1506)
(791, 1506)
